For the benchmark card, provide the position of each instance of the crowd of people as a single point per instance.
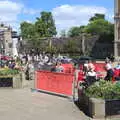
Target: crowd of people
(90, 72)
(27, 62)
(41, 62)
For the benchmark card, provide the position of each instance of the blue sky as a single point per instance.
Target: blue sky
(67, 13)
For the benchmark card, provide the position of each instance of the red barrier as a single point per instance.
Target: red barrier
(100, 67)
(68, 68)
(81, 76)
(58, 83)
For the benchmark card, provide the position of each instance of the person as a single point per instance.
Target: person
(59, 67)
(118, 66)
(53, 68)
(11, 64)
(108, 68)
(31, 70)
(45, 59)
(40, 64)
(85, 67)
(91, 77)
(91, 66)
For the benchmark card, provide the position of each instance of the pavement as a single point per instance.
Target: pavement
(24, 104)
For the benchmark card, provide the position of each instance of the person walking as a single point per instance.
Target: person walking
(108, 68)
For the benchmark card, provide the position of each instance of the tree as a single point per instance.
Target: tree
(101, 27)
(96, 17)
(27, 30)
(76, 31)
(35, 33)
(45, 25)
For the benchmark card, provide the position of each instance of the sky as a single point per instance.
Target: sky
(66, 13)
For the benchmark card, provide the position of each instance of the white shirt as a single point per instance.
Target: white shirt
(108, 66)
(86, 65)
(91, 73)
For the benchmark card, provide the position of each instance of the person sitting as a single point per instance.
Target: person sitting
(12, 65)
(53, 68)
(118, 66)
(59, 67)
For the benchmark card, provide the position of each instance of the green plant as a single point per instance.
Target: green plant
(104, 90)
(7, 72)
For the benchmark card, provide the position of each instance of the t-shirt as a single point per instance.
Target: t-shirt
(108, 66)
(59, 69)
(91, 73)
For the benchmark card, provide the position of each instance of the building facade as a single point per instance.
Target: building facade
(5, 40)
(117, 28)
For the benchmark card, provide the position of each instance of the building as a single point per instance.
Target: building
(15, 39)
(117, 28)
(5, 39)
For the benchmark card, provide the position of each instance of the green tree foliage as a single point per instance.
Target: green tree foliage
(97, 26)
(43, 27)
(103, 28)
(76, 31)
(27, 30)
(97, 17)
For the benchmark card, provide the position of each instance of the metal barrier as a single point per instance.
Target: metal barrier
(56, 83)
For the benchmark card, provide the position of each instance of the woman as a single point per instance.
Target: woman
(59, 67)
(109, 70)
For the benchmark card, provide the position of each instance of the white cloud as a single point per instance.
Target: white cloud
(67, 16)
(9, 10)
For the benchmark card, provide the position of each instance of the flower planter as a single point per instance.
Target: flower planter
(6, 82)
(16, 81)
(98, 108)
(112, 107)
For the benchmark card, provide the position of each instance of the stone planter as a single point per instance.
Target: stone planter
(112, 107)
(98, 108)
(16, 81)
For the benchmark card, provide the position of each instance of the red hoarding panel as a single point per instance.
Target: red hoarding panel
(68, 68)
(59, 83)
(100, 67)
